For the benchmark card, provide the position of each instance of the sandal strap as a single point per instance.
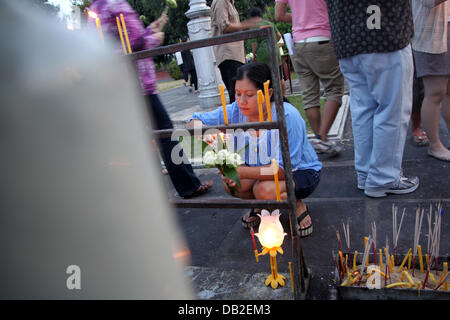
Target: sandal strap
(303, 216)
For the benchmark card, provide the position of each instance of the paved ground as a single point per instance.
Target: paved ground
(222, 261)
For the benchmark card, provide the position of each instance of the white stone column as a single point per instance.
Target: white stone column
(199, 27)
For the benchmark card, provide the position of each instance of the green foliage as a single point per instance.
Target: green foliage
(174, 70)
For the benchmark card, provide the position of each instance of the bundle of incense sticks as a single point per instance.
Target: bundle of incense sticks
(417, 228)
(403, 276)
(395, 231)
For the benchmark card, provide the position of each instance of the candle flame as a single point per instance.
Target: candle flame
(92, 14)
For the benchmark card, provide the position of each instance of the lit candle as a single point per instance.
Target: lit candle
(266, 94)
(121, 36)
(224, 105)
(124, 27)
(260, 99)
(419, 248)
(275, 176)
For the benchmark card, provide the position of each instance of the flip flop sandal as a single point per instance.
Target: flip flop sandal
(304, 232)
(250, 224)
(204, 188)
(420, 140)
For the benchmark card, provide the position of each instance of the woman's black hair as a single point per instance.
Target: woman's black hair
(256, 12)
(257, 73)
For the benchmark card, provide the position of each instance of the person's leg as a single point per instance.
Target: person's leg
(326, 67)
(390, 78)
(309, 84)
(446, 110)
(419, 136)
(435, 92)
(195, 80)
(329, 112)
(228, 70)
(182, 175)
(362, 109)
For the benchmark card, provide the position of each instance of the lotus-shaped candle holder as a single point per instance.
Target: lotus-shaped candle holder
(271, 235)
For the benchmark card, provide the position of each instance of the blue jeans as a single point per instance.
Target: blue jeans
(380, 104)
(182, 176)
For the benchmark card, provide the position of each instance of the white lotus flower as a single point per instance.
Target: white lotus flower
(222, 156)
(209, 159)
(234, 160)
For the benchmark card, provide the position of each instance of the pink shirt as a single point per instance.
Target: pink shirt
(309, 18)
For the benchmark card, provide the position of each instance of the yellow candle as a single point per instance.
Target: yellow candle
(388, 261)
(392, 261)
(99, 28)
(124, 27)
(266, 95)
(409, 260)
(341, 258)
(398, 284)
(419, 284)
(354, 260)
(406, 273)
(444, 273)
(292, 276)
(381, 259)
(404, 260)
(432, 277)
(419, 248)
(224, 105)
(121, 36)
(260, 99)
(275, 176)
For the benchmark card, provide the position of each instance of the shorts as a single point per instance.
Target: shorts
(306, 181)
(314, 61)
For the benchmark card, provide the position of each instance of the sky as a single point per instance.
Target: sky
(65, 6)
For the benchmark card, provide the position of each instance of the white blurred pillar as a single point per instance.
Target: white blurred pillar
(200, 28)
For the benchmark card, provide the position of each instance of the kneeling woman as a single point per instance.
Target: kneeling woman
(255, 181)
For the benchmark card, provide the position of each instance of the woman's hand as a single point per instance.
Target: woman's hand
(230, 183)
(159, 24)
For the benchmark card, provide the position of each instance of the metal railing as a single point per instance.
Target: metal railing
(300, 271)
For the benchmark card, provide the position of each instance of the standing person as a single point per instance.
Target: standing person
(431, 47)
(189, 67)
(315, 62)
(182, 175)
(229, 56)
(259, 45)
(376, 61)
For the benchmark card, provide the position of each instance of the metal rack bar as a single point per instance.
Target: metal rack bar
(301, 274)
